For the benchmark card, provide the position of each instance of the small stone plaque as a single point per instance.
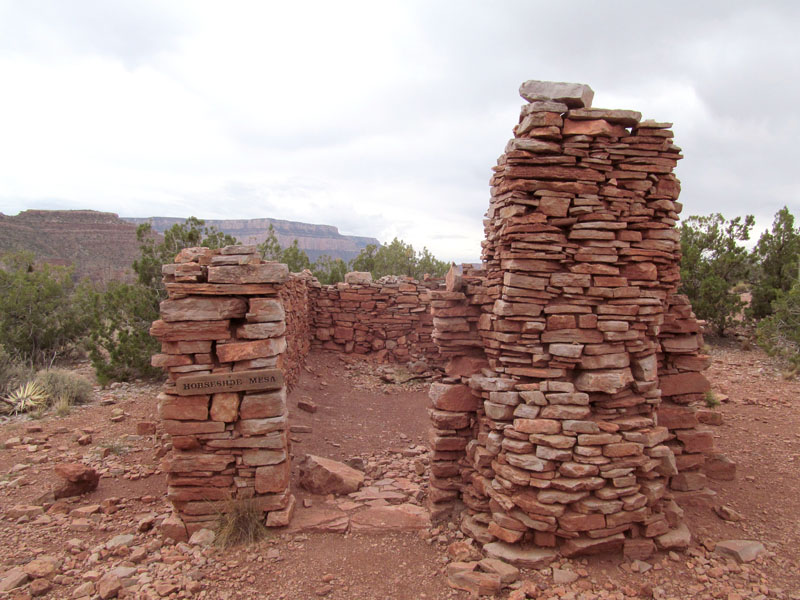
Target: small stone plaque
(263, 379)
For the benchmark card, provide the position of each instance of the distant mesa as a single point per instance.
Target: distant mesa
(102, 246)
(316, 240)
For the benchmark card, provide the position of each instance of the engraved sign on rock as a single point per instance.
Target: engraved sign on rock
(264, 379)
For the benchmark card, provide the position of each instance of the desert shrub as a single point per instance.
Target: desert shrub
(779, 333)
(120, 316)
(711, 399)
(292, 256)
(120, 345)
(13, 373)
(62, 406)
(63, 385)
(40, 315)
(398, 258)
(242, 522)
(329, 270)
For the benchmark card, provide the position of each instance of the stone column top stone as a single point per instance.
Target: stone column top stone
(574, 95)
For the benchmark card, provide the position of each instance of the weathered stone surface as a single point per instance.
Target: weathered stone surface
(190, 330)
(719, 467)
(183, 408)
(627, 118)
(320, 520)
(358, 277)
(638, 549)
(109, 586)
(564, 576)
(464, 366)
(582, 546)
(282, 518)
(257, 331)
(325, 476)
(13, 579)
(263, 406)
(249, 350)
(201, 308)
(264, 310)
(474, 582)
(263, 457)
(525, 558)
(42, 567)
(742, 550)
(608, 381)
(597, 127)
(224, 407)
(78, 479)
(270, 272)
(574, 95)
(173, 527)
(272, 478)
(402, 517)
(177, 428)
(188, 462)
(673, 416)
(675, 539)
(684, 383)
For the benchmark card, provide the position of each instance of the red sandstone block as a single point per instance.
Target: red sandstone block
(224, 407)
(183, 408)
(273, 478)
(235, 351)
(622, 449)
(696, 440)
(573, 521)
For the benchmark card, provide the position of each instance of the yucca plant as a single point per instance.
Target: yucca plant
(26, 397)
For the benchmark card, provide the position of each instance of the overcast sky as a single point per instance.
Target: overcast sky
(381, 118)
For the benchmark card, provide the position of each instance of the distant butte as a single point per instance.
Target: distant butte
(102, 246)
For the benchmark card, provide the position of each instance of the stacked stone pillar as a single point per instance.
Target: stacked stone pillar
(222, 331)
(581, 265)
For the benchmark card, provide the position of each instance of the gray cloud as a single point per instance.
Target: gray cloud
(382, 119)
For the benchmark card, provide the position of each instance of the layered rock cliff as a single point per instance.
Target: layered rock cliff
(316, 240)
(102, 246)
(99, 244)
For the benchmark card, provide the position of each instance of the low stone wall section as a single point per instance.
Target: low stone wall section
(390, 318)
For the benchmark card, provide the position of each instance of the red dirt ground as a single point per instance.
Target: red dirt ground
(359, 416)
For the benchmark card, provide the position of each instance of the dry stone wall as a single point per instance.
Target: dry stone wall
(230, 314)
(296, 294)
(225, 316)
(562, 347)
(390, 317)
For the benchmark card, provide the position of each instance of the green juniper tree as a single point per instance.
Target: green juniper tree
(776, 258)
(713, 263)
(121, 315)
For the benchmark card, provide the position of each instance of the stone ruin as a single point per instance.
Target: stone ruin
(563, 422)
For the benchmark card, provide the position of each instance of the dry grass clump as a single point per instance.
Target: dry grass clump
(242, 522)
(62, 384)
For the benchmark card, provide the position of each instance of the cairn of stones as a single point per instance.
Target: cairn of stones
(566, 341)
(222, 333)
